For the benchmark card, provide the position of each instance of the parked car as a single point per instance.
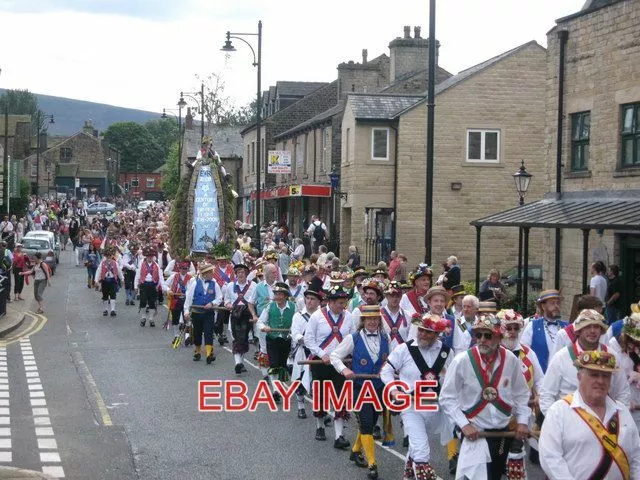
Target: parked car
(48, 236)
(510, 277)
(32, 245)
(145, 204)
(97, 208)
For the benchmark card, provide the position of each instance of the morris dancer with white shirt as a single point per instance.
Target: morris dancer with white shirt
(413, 301)
(627, 349)
(147, 280)
(109, 276)
(296, 286)
(313, 296)
(588, 435)
(561, 379)
(175, 288)
(567, 336)
(325, 330)
(129, 263)
(369, 346)
(425, 358)
(484, 387)
(372, 294)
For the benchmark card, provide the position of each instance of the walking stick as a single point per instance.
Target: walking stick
(509, 434)
(370, 376)
(200, 309)
(319, 362)
(287, 330)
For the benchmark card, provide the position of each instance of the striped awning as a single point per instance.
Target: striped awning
(596, 209)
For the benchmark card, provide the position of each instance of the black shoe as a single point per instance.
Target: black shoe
(105, 313)
(340, 443)
(453, 464)
(196, 357)
(276, 397)
(302, 413)
(146, 310)
(113, 313)
(373, 472)
(320, 434)
(405, 441)
(210, 359)
(243, 368)
(377, 433)
(327, 420)
(358, 459)
(143, 322)
(238, 368)
(534, 457)
(152, 323)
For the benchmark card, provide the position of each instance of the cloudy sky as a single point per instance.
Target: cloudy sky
(142, 53)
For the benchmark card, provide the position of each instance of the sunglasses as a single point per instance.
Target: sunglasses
(485, 335)
(515, 328)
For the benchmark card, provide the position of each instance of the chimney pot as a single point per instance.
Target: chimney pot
(407, 31)
(364, 55)
(416, 32)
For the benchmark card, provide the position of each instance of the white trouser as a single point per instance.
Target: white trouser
(418, 425)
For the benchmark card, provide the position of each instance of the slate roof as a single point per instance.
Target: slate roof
(318, 119)
(415, 82)
(298, 89)
(588, 7)
(380, 106)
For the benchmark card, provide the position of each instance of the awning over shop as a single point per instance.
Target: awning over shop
(582, 210)
(293, 191)
(586, 210)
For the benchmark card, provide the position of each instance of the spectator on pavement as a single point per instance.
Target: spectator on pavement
(318, 232)
(452, 277)
(394, 263)
(42, 278)
(354, 258)
(598, 284)
(613, 299)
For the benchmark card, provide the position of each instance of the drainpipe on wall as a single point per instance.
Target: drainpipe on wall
(395, 191)
(563, 35)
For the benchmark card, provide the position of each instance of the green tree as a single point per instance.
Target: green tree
(20, 102)
(170, 173)
(139, 150)
(164, 131)
(218, 108)
(19, 205)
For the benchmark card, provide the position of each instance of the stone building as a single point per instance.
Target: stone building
(83, 164)
(488, 118)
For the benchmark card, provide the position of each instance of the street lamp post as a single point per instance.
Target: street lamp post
(522, 179)
(181, 104)
(257, 62)
(40, 119)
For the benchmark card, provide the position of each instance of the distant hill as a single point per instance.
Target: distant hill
(71, 114)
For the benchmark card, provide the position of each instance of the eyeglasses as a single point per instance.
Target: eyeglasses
(513, 328)
(485, 335)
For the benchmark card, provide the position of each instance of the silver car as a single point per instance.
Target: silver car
(97, 208)
(33, 245)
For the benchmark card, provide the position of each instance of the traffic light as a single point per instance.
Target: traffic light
(126, 187)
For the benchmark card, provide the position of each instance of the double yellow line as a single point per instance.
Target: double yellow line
(37, 323)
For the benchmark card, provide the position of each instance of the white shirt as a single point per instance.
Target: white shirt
(538, 374)
(117, 274)
(563, 340)
(407, 306)
(403, 329)
(298, 327)
(561, 378)
(191, 288)
(599, 284)
(149, 276)
(318, 330)
(550, 334)
(171, 265)
(129, 261)
(401, 361)
(167, 285)
(461, 335)
(461, 390)
(299, 298)
(569, 450)
(230, 296)
(346, 347)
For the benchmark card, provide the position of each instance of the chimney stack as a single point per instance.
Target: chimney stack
(416, 32)
(364, 55)
(407, 31)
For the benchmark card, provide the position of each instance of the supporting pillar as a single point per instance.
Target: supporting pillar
(585, 260)
(525, 273)
(519, 280)
(478, 238)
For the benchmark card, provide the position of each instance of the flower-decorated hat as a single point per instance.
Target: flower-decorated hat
(589, 317)
(374, 284)
(631, 326)
(433, 323)
(149, 251)
(381, 271)
(293, 271)
(337, 291)
(596, 360)
(393, 288)
(281, 287)
(359, 272)
(271, 255)
(315, 289)
(510, 316)
(421, 270)
(487, 322)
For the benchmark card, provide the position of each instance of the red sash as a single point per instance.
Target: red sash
(394, 327)
(487, 383)
(108, 266)
(144, 271)
(335, 328)
(223, 276)
(413, 298)
(571, 332)
(240, 294)
(528, 365)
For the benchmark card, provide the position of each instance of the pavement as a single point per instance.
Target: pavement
(13, 320)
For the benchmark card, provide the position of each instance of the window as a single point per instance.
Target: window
(134, 183)
(630, 135)
(483, 146)
(253, 157)
(151, 182)
(325, 146)
(380, 144)
(66, 155)
(580, 127)
(34, 168)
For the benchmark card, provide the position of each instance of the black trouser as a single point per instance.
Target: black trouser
(148, 295)
(222, 319)
(129, 277)
(18, 282)
(176, 311)
(108, 290)
(367, 416)
(278, 352)
(240, 326)
(326, 373)
(202, 323)
(498, 448)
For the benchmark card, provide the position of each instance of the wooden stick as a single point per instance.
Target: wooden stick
(509, 434)
(200, 309)
(371, 376)
(287, 330)
(319, 362)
